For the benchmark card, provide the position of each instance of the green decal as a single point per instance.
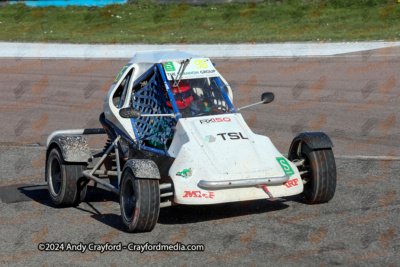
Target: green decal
(169, 66)
(285, 166)
(120, 73)
(190, 73)
(185, 173)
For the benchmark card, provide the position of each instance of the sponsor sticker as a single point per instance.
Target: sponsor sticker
(285, 166)
(169, 66)
(226, 119)
(232, 136)
(291, 183)
(197, 68)
(199, 194)
(186, 173)
(209, 139)
(120, 73)
(207, 71)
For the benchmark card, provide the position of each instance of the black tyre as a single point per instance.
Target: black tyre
(139, 201)
(320, 176)
(65, 182)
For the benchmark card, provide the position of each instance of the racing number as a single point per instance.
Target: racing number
(201, 64)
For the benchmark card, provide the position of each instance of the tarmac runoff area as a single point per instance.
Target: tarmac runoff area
(49, 50)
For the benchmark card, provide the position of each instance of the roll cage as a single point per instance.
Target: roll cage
(150, 93)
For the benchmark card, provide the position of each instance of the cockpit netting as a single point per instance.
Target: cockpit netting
(151, 100)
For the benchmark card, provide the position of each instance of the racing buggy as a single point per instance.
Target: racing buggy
(174, 137)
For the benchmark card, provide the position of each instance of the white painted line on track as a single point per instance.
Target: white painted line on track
(52, 50)
(388, 158)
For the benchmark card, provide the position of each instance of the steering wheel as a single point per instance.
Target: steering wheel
(202, 114)
(219, 109)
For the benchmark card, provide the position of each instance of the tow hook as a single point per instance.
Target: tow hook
(266, 191)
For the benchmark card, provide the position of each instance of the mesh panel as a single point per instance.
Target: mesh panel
(151, 100)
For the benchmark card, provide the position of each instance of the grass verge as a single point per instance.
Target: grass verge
(146, 22)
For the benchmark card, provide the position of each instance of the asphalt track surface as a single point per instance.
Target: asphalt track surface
(354, 98)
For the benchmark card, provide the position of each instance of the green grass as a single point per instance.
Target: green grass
(147, 22)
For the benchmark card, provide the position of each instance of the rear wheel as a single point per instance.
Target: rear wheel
(139, 202)
(65, 182)
(318, 172)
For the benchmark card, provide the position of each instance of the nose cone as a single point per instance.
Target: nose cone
(229, 145)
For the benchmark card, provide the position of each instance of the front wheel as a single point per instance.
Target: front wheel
(318, 172)
(139, 201)
(65, 182)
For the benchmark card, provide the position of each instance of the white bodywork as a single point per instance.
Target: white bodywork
(195, 148)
